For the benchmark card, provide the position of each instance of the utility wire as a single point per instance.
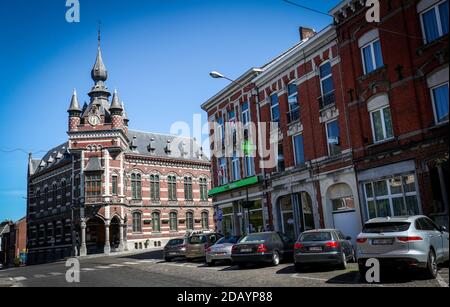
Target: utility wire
(307, 8)
(21, 150)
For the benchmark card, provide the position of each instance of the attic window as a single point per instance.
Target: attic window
(151, 147)
(133, 143)
(168, 149)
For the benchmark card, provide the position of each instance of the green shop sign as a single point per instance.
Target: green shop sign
(234, 185)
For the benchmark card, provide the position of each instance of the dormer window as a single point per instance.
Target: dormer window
(151, 147)
(168, 148)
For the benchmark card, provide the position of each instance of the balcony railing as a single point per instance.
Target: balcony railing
(327, 100)
(293, 115)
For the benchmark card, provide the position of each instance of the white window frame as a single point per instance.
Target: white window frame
(236, 167)
(436, 119)
(372, 51)
(292, 95)
(223, 177)
(383, 124)
(245, 114)
(434, 7)
(249, 162)
(326, 129)
(391, 196)
(274, 106)
(295, 150)
(326, 77)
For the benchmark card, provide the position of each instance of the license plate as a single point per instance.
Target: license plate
(315, 249)
(246, 250)
(382, 242)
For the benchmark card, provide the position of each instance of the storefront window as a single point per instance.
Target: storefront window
(287, 216)
(256, 219)
(396, 196)
(227, 221)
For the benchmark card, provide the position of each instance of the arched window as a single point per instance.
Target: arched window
(205, 220)
(136, 186)
(137, 222)
(173, 221)
(189, 221)
(156, 222)
(114, 185)
(38, 199)
(154, 187)
(203, 189)
(46, 196)
(188, 188)
(63, 193)
(54, 195)
(172, 188)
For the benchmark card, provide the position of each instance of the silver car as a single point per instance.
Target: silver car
(221, 251)
(409, 242)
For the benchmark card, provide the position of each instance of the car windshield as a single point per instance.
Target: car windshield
(256, 238)
(197, 240)
(176, 242)
(386, 227)
(228, 240)
(315, 237)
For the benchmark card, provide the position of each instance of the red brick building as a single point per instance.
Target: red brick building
(362, 126)
(110, 188)
(395, 77)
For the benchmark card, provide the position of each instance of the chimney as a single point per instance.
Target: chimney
(306, 33)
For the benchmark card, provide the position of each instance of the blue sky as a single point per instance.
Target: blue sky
(158, 54)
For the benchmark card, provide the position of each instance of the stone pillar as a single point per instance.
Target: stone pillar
(107, 249)
(83, 249)
(125, 240)
(121, 238)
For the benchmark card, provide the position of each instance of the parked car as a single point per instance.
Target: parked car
(221, 251)
(266, 247)
(175, 248)
(327, 246)
(411, 242)
(198, 243)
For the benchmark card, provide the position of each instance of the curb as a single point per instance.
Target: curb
(129, 253)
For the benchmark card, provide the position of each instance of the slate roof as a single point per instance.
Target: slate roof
(180, 147)
(53, 157)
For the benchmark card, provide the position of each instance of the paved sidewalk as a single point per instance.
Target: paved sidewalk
(6, 282)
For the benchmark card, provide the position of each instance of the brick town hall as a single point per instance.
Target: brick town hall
(111, 189)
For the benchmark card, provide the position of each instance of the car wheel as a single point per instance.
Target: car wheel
(167, 259)
(343, 264)
(432, 266)
(275, 259)
(298, 267)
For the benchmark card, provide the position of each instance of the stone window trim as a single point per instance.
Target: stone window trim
(368, 37)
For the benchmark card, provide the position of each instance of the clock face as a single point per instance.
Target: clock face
(94, 120)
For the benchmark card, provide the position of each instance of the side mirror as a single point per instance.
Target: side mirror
(443, 229)
(348, 238)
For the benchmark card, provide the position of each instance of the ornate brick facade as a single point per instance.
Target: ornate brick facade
(107, 188)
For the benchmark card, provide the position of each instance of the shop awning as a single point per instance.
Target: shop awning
(235, 185)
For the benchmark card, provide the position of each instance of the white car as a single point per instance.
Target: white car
(411, 242)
